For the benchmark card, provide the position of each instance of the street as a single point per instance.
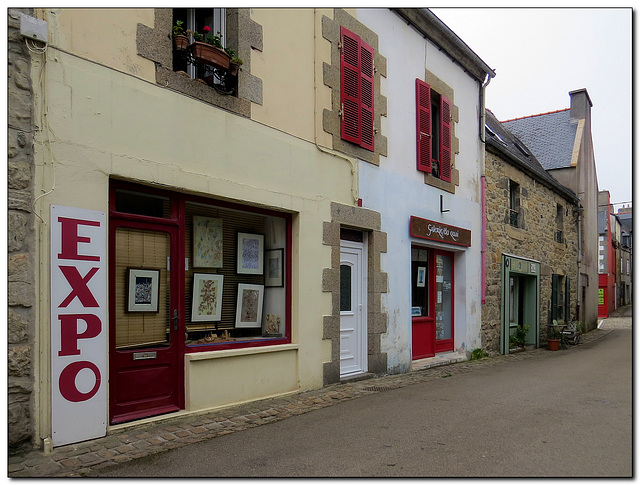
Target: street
(557, 414)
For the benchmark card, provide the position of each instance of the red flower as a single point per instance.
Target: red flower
(206, 29)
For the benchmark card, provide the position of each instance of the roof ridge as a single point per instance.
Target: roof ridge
(539, 114)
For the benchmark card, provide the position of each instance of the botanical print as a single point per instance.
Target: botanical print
(208, 298)
(207, 242)
(206, 305)
(250, 253)
(143, 290)
(250, 300)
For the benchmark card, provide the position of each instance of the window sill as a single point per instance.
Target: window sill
(441, 184)
(516, 232)
(221, 354)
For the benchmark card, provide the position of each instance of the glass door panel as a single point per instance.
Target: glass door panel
(444, 297)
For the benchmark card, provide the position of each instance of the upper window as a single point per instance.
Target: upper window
(356, 93)
(559, 223)
(204, 53)
(433, 123)
(514, 204)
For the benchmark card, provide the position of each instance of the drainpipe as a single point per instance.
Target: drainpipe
(352, 161)
(579, 282)
(483, 186)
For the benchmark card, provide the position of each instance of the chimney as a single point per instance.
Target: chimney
(580, 105)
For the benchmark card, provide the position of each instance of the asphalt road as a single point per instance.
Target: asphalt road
(560, 414)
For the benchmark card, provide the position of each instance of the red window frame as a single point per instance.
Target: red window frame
(424, 132)
(356, 90)
(177, 217)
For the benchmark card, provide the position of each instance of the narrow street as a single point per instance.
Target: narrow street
(555, 414)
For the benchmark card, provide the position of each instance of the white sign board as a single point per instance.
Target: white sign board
(78, 324)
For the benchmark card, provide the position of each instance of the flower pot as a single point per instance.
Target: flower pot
(553, 344)
(208, 54)
(233, 68)
(180, 42)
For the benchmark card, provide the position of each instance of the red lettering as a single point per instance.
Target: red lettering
(69, 332)
(71, 239)
(79, 286)
(67, 381)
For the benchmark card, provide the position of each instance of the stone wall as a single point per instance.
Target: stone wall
(21, 236)
(535, 240)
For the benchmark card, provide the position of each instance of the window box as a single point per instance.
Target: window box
(180, 42)
(210, 55)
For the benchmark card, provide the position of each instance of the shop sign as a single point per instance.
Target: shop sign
(437, 231)
(78, 324)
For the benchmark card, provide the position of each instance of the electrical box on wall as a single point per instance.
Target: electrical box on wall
(33, 28)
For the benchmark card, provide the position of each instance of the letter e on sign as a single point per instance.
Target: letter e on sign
(78, 314)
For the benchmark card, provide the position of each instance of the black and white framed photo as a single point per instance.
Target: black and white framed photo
(144, 287)
(250, 253)
(273, 275)
(249, 306)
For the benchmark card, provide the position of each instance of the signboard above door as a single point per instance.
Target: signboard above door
(437, 231)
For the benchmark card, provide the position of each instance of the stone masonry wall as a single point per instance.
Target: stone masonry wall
(535, 241)
(21, 236)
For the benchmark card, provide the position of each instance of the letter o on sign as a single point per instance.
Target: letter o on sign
(68, 376)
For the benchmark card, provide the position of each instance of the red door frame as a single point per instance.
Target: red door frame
(171, 355)
(423, 328)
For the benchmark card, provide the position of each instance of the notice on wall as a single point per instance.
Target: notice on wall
(78, 324)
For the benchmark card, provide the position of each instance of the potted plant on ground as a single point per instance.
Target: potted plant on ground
(553, 341)
(207, 48)
(180, 39)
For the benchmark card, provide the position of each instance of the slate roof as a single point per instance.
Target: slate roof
(550, 136)
(518, 154)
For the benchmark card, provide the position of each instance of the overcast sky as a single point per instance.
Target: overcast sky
(541, 54)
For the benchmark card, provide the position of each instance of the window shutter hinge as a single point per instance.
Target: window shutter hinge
(341, 112)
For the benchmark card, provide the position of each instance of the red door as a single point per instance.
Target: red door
(145, 375)
(432, 287)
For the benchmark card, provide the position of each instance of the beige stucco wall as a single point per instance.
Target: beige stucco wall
(102, 123)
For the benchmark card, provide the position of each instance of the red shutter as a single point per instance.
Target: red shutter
(366, 96)
(350, 86)
(423, 125)
(445, 139)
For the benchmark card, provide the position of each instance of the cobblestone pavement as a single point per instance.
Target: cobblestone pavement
(133, 442)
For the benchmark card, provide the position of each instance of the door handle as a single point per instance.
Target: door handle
(175, 320)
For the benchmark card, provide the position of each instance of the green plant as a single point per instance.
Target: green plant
(478, 354)
(521, 334)
(178, 28)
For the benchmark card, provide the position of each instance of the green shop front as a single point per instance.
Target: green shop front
(520, 313)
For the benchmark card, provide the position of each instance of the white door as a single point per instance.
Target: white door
(353, 311)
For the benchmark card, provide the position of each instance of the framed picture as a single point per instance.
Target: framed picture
(250, 253)
(144, 286)
(422, 275)
(207, 242)
(249, 306)
(206, 305)
(416, 311)
(273, 272)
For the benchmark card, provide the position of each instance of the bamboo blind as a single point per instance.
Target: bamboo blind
(140, 249)
(232, 222)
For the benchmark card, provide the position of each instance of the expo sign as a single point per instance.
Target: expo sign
(78, 319)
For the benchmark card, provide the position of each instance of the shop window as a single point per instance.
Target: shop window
(433, 122)
(356, 93)
(234, 284)
(420, 283)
